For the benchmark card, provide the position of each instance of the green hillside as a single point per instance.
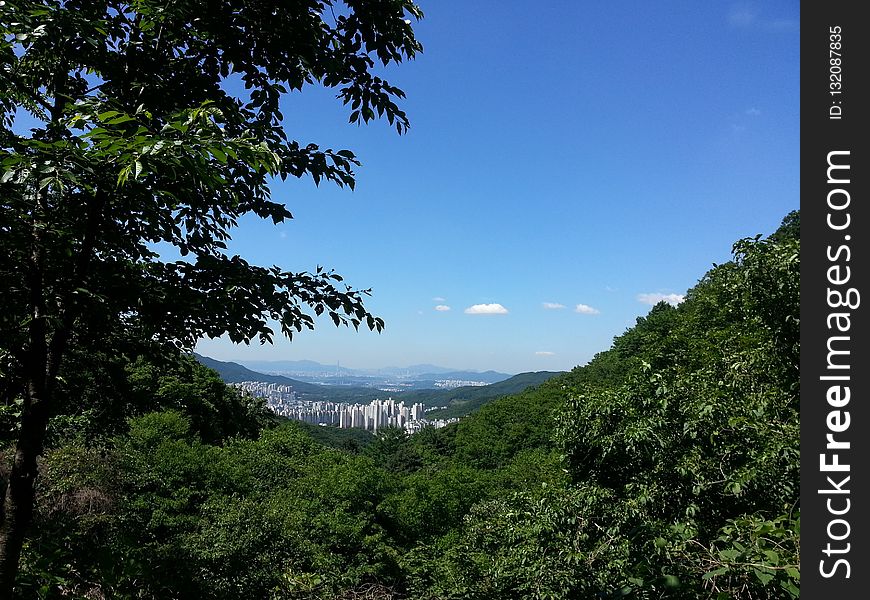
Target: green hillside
(465, 400)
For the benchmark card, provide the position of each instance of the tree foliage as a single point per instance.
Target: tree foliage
(156, 126)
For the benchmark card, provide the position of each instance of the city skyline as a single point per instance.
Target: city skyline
(375, 415)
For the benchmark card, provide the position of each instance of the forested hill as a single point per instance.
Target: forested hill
(464, 400)
(667, 467)
(233, 372)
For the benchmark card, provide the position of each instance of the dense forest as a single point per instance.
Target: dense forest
(666, 467)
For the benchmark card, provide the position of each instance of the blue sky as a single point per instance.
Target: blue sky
(590, 155)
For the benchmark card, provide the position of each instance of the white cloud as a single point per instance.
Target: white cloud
(585, 309)
(545, 353)
(439, 299)
(655, 298)
(282, 235)
(552, 305)
(753, 112)
(486, 309)
(442, 308)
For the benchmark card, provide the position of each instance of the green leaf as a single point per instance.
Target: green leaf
(119, 120)
(714, 573)
(105, 116)
(762, 576)
(220, 155)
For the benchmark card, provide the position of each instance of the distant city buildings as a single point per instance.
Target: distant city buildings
(373, 416)
(455, 383)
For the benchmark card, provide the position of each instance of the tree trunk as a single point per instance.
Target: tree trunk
(46, 348)
(16, 509)
(42, 363)
(16, 505)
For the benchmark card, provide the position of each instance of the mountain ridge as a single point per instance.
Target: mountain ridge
(420, 372)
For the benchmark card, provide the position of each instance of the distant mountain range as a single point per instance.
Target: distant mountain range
(456, 401)
(422, 372)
